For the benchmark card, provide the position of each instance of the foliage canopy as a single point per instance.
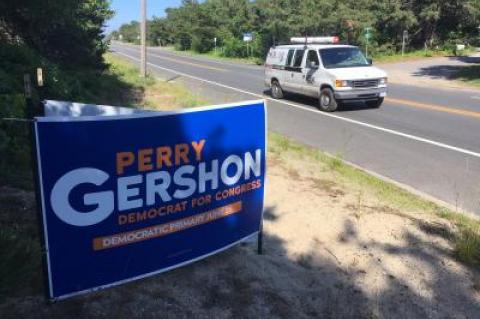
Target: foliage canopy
(430, 22)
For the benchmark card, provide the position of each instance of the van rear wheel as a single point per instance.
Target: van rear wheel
(277, 92)
(326, 101)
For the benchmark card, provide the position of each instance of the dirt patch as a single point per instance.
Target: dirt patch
(332, 250)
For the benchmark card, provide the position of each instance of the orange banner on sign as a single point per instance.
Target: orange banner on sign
(156, 231)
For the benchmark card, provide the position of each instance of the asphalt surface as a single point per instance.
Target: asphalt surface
(425, 138)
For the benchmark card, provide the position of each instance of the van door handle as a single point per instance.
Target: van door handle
(291, 74)
(304, 76)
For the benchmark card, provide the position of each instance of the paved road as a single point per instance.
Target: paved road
(425, 138)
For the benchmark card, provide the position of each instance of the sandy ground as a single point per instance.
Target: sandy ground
(431, 72)
(332, 250)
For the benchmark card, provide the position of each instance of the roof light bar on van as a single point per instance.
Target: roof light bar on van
(315, 40)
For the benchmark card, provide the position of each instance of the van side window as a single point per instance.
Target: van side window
(289, 57)
(297, 61)
(312, 57)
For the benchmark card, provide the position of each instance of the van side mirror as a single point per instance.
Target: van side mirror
(370, 61)
(312, 65)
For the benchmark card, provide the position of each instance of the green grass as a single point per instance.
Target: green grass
(466, 239)
(377, 57)
(20, 265)
(217, 56)
(416, 55)
(410, 55)
(152, 92)
(388, 192)
(20, 262)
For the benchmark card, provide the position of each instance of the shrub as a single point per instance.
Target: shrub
(234, 48)
(183, 42)
(202, 40)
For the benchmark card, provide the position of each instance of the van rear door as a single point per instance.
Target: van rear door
(294, 77)
(277, 58)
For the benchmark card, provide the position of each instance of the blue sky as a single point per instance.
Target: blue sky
(128, 10)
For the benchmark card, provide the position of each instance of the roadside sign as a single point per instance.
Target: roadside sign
(126, 197)
(247, 37)
(404, 39)
(368, 34)
(39, 76)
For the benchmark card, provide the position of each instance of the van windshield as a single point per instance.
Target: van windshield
(334, 58)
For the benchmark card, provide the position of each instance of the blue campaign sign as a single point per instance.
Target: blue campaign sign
(125, 197)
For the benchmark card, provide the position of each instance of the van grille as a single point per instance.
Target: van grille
(365, 83)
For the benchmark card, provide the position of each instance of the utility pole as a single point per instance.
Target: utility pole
(143, 35)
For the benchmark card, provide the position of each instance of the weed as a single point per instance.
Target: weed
(335, 164)
(20, 262)
(467, 245)
(358, 208)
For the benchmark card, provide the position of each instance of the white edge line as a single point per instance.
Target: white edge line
(193, 57)
(44, 216)
(223, 70)
(156, 272)
(170, 57)
(379, 128)
(149, 113)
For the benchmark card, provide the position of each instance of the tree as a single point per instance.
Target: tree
(158, 32)
(130, 32)
(194, 24)
(69, 32)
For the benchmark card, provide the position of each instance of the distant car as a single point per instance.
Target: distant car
(320, 68)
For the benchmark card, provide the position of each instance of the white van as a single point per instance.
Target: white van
(330, 72)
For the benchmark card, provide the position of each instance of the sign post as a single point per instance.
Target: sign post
(247, 37)
(125, 197)
(404, 39)
(368, 35)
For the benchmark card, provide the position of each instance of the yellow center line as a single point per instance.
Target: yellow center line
(434, 107)
(199, 65)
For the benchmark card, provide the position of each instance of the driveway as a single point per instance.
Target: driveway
(433, 72)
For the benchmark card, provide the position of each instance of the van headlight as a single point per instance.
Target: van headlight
(382, 81)
(343, 83)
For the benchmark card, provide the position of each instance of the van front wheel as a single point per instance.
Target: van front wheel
(326, 101)
(277, 92)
